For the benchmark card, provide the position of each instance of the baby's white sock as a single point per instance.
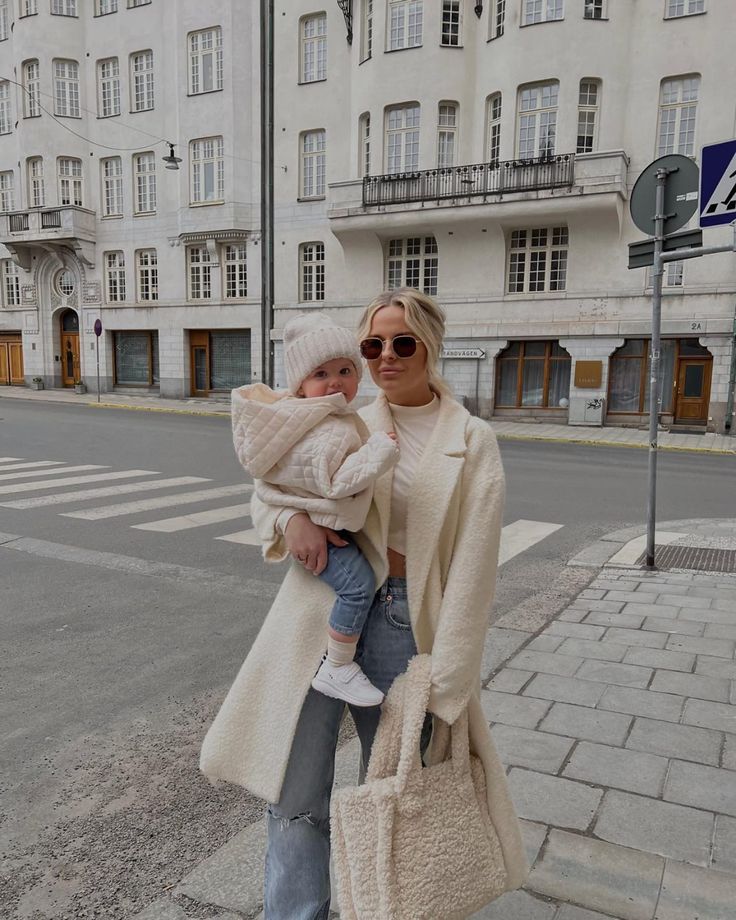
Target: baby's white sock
(340, 653)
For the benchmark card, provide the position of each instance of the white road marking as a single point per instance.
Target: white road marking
(43, 501)
(519, 536)
(198, 519)
(29, 474)
(72, 481)
(629, 553)
(246, 537)
(9, 459)
(29, 465)
(164, 501)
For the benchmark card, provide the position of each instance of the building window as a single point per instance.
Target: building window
(7, 193)
(144, 172)
(66, 88)
(402, 138)
(36, 188)
(32, 94)
(200, 273)
(28, 7)
(497, 19)
(533, 375)
(451, 21)
(141, 80)
(446, 134)
(134, 3)
(314, 48)
(114, 277)
(537, 260)
(235, 272)
(672, 277)
(229, 359)
(146, 261)
(412, 263)
(10, 282)
(493, 121)
(629, 372)
(207, 161)
(136, 359)
(108, 87)
(205, 60)
(112, 187)
(311, 272)
(364, 164)
(678, 103)
(103, 7)
(4, 26)
(405, 21)
(542, 11)
(366, 34)
(537, 120)
(676, 8)
(6, 121)
(70, 181)
(595, 9)
(63, 7)
(313, 164)
(588, 101)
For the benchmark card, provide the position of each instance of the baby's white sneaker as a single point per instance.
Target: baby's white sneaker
(346, 682)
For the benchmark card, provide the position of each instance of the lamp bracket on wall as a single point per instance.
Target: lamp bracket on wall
(478, 9)
(346, 7)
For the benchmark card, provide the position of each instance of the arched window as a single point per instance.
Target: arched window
(493, 128)
(36, 188)
(447, 134)
(678, 104)
(402, 138)
(31, 86)
(589, 96)
(537, 119)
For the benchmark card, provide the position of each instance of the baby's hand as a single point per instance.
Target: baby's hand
(393, 436)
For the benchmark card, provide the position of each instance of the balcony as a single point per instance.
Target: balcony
(69, 227)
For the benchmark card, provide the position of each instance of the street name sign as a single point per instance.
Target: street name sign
(718, 184)
(475, 353)
(641, 253)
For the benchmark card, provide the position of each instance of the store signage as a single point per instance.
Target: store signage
(588, 374)
(474, 353)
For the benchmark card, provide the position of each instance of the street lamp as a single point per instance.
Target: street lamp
(172, 161)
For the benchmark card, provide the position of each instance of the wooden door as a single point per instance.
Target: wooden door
(4, 364)
(16, 363)
(11, 360)
(693, 390)
(69, 358)
(199, 344)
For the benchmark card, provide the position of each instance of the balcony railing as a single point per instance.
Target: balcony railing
(475, 181)
(50, 219)
(18, 223)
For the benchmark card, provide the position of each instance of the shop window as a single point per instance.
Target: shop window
(136, 359)
(229, 359)
(533, 375)
(628, 385)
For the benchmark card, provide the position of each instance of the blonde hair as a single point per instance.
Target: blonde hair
(424, 317)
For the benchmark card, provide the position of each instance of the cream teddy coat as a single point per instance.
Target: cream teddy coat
(453, 534)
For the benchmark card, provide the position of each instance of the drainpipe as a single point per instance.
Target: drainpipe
(731, 378)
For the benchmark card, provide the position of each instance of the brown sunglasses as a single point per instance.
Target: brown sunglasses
(403, 346)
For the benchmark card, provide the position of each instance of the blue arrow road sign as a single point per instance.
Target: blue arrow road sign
(718, 184)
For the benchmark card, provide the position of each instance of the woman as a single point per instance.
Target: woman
(432, 537)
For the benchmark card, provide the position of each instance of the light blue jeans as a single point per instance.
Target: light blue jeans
(351, 577)
(297, 878)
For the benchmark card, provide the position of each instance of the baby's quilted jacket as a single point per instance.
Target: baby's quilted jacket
(315, 455)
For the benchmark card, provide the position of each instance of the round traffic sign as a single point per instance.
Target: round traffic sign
(98, 327)
(680, 193)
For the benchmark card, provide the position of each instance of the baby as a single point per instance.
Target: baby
(309, 450)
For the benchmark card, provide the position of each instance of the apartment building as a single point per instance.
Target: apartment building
(94, 221)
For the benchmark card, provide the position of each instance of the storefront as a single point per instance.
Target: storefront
(220, 360)
(136, 359)
(532, 378)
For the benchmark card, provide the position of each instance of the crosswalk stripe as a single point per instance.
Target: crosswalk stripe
(521, 535)
(43, 501)
(29, 474)
(29, 465)
(198, 519)
(164, 501)
(72, 481)
(246, 537)
(9, 459)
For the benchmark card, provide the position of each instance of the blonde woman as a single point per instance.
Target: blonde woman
(432, 538)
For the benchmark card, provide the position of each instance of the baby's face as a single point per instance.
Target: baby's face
(336, 376)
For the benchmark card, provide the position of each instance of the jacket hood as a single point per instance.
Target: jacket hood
(267, 424)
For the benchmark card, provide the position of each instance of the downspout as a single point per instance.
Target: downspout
(731, 378)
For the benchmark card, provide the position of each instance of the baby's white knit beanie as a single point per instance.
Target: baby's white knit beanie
(311, 339)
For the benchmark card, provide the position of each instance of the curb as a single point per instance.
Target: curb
(170, 410)
(591, 443)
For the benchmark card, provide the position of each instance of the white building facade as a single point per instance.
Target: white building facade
(486, 153)
(93, 224)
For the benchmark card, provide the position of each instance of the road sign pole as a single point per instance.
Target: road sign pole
(97, 342)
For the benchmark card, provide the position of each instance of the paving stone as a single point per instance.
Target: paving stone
(716, 593)
(523, 747)
(500, 644)
(614, 584)
(692, 685)
(728, 604)
(680, 627)
(692, 893)
(715, 667)
(625, 620)
(720, 631)
(601, 606)
(655, 827)
(703, 787)
(565, 689)
(708, 616)
(590, 648)
(623, 675)
(617, 767)
(724, 844)
(634, 596)
(718, 648)
(663, 706)
(720, 716)
(589, 724)
(513, 710)
(684, 742)
(661, 658)
(572, 615)
(636, 637)
(532, 836)
(575, 630)
(651, 610)
(593, 594)
(546, 662)
(652, 587)
(509, 680)
(684, 600)
(570, 912)
(517, 905)
(553, 800)
(728, 760)
(545, 643)
(614, 880)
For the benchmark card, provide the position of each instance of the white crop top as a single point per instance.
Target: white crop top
(413, 426)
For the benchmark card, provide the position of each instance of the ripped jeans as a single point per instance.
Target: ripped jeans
(297, 877)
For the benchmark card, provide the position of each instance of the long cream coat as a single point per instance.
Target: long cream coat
(453, 533)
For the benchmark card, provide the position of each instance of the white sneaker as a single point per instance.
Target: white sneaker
(346, 682)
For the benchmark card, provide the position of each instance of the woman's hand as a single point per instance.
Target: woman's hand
(307, 542)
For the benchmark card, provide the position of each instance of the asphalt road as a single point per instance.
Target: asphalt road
(118, 643)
